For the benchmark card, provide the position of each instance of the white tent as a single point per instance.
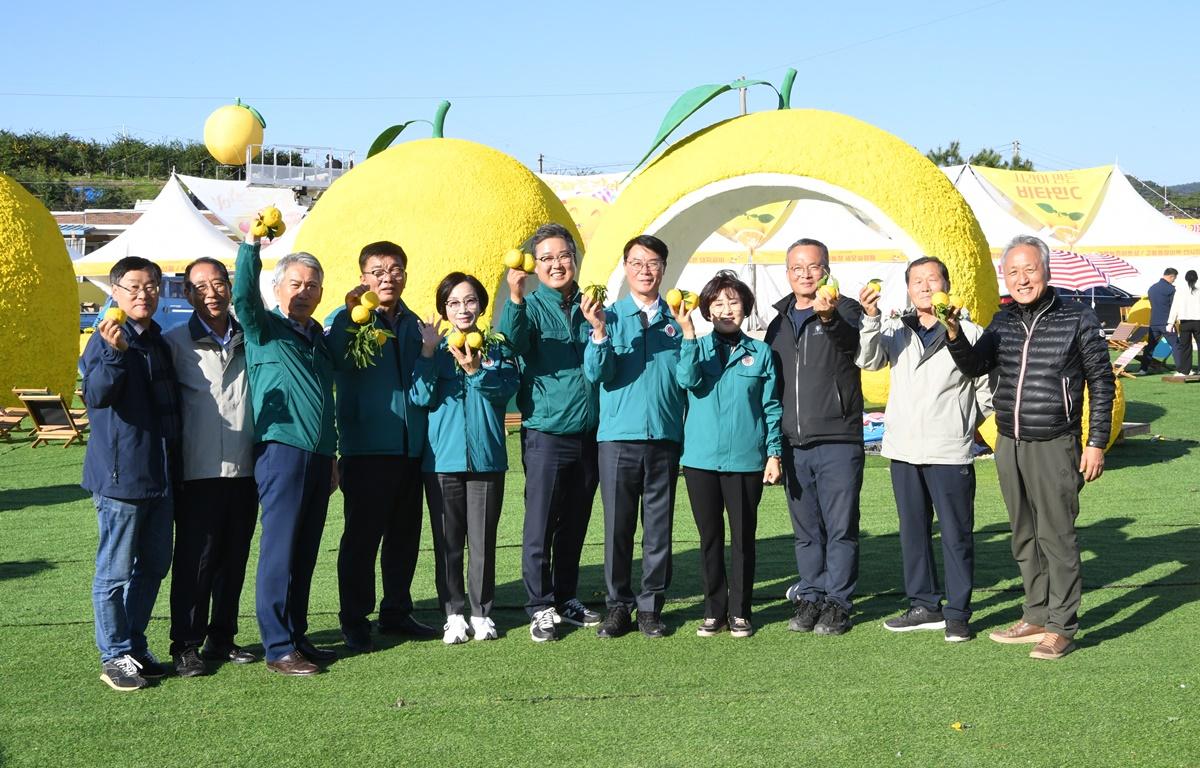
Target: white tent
(236, 203)
(999, 219)
(170, 233)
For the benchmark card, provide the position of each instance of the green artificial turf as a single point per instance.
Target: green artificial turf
(1126, 697)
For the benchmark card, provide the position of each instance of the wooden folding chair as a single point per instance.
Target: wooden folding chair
(9, 420)
(1126, 357)
(52, 420)
(1124, 335)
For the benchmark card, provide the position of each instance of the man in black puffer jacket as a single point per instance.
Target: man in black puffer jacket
(1043, 350)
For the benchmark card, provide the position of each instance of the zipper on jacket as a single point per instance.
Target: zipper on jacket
(1024, 362)
(462, 380)
(1066, 383)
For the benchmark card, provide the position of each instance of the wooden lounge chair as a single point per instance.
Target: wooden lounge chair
(1125, 334)
(52, 420)
(1127, 357)
(9, 420)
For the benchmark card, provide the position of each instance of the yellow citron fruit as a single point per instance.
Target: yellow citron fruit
(271, 216)
(988, 429)
(899, 181)
(369, 299)
(380, 337)
(474, 340)
(456, 339)
(875, 285)
(939, 299)
(830, 292)
(259, 229)
(360, 315)
(39, 299)
(278, 229)
(514, 259)
(229, 130)
(674, 298)
(116, 314)
(528, 263)
(954, 300)
(406, 193)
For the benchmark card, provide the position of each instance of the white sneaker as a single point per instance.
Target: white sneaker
(483, 627)
(541, 627)
(455, 629)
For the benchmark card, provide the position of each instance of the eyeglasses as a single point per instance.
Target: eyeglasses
(150, 289)
(214, 287)
(653, 265)
(796, 270)
(396, 273)
(566, 257)
(470, 304)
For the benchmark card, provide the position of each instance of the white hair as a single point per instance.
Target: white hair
(301, 258)
(1034, 242)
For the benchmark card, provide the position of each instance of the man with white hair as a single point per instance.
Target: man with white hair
(1042, 350)
(291, 389)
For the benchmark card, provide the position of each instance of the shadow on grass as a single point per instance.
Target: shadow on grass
(1141, 452)
(46, 496)
(1143, 412)
(21, 569)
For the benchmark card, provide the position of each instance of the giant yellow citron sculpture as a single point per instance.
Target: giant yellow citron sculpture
(39, 306)
(450, 204)
(987, 430)
(230, 129)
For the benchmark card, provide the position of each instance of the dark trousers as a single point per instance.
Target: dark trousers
(632, 474)
(1155, 333)
(214, 523)
(382, 496)
(560, 485)
(1189, 335)
(1040, 482)
(293, 489)
(711, 494)
(464, 510)
(823, 482)
(950, 490)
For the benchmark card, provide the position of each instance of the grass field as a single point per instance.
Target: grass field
(1128, 696)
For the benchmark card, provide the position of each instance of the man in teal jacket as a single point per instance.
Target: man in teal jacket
(380, 438)
(560, 411)
(633, 355)
(291, 388)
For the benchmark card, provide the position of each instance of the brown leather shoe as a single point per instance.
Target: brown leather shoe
(1021, 632)
(1053, 646)
(293, 664)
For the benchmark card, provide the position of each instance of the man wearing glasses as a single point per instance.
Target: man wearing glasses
(218, 501)
(131, 463)
(380, 438)
(815, 341)
(633, 355)
(560, 411)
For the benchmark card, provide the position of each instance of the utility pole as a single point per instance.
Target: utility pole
(1016, 150)
(742, 96)
(541, 157)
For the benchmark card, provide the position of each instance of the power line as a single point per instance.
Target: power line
(320, 99)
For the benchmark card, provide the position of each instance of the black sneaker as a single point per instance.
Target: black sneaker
(227, 652)
(575, 612)
(358, 640)
(151, 668)
(916, 617)
(541, 626)
(650, 624)
(710, 627)
(123, 674)
(807, 613)
(835, 620)
(189, 664)
(616, 623)
(739, 627)
(957, 631)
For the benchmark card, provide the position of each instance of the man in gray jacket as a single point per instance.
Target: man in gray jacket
(217, 504)
(930, 422)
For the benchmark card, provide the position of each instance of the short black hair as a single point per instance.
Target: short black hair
(824, 249)
(725, 280)
(448, 284)
(187, 271)
(134, 264)
(929, 260)
(650, 242)
(551, 231)
(382, 248)
(1170, 272)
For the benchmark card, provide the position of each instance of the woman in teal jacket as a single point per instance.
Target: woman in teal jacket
(731, 445)
(466, 391)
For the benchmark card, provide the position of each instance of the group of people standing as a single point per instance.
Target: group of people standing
(1174, 316)
(199, 427)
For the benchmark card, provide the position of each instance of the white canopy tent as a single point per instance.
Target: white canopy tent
(236, 203)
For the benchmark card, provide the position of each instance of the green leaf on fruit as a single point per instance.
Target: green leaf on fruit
(385, 139)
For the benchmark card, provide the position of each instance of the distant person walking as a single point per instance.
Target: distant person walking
(1185, 314)
(1161, 294)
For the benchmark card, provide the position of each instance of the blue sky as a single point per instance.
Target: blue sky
(586, 84)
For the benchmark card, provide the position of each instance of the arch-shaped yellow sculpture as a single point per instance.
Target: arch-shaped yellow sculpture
(805, 149)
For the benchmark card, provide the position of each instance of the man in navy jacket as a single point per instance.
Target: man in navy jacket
(1161, 294)
(132, 397)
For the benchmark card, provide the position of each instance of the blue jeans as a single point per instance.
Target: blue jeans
(132, 559)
